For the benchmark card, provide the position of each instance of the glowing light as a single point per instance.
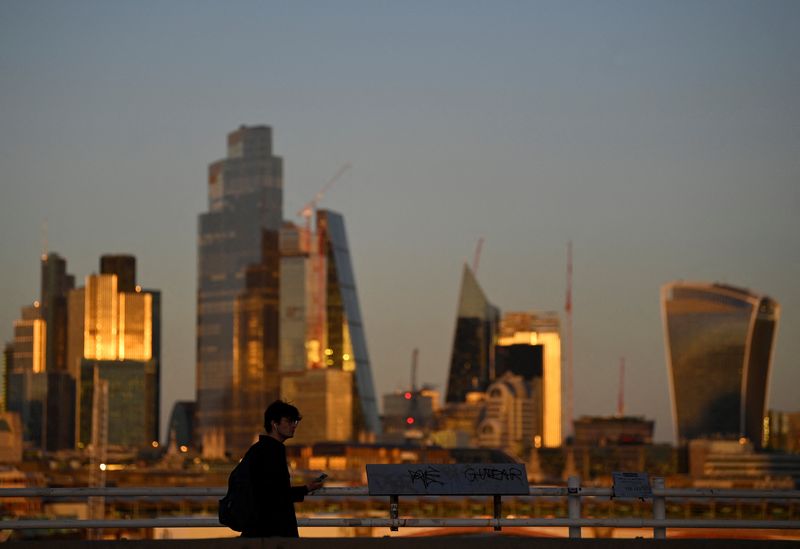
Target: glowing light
(154, 444)
(184, 449)
(410, 420)
(345, 357)
(36, 304)
(407, 395)
(328, 352)
(103, 467)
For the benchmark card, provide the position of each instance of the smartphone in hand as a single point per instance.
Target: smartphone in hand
(321, 478)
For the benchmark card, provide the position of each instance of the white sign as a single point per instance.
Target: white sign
(631, 486)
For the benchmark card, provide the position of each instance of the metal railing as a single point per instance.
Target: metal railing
(573, 492)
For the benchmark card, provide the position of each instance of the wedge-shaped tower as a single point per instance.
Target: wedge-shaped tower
(477, 323)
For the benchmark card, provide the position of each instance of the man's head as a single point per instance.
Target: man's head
(281, 419)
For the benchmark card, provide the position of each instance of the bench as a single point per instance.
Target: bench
(451, 479)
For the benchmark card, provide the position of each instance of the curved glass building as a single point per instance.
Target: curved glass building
(719, 342)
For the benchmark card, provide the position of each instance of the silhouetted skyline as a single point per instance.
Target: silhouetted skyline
(660, 138)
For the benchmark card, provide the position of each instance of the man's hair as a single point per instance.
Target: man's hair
(277, 410)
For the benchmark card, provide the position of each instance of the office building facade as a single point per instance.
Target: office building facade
(245, 197)
(344, 338)
(719, 341)
(529, 345)
(113, 349)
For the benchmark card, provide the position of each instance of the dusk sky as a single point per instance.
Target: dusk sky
(662, 138)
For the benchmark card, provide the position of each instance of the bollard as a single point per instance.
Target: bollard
(659, 509)
(574, 504)
(394, 510)
(498, 511)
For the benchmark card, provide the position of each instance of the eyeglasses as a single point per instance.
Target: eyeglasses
(292, 421)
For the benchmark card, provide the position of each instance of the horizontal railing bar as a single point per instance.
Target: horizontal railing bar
(217, 491)
(178, 522)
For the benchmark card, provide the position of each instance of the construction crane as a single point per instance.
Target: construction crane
(476, 260)
(314, 247)
(621, 394)
(413, 394)
(568, 312)
(307, 211)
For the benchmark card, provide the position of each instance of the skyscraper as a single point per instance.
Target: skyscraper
(530, 345)
(27, 381)
(321, 324)
(472, 358)
(56, 282)
(719, 342)
(119, 346)
(237, 234)
(344, 339)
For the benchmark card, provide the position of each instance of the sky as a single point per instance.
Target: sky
(661, 138)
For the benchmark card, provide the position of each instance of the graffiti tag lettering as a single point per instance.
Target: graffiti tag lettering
(483, 473)
(427, 476)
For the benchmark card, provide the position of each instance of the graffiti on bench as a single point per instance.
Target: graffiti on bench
(447, 479)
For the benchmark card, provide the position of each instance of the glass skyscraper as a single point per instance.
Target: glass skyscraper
(345, 341)
(237, 263)
(719, 342)
(477, 325)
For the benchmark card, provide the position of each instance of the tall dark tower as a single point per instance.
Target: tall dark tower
(477, 324)
(719, 342)
(58, 402)
(245, 202)
(56, 282)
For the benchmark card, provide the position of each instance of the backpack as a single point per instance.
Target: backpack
(237, 508)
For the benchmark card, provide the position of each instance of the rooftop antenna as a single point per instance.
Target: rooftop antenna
(414, 357)
(621, 395)
(44, 238)
(568, 311)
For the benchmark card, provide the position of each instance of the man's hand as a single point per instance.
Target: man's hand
(313, 485)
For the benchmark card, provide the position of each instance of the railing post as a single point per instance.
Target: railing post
(498, 511)
(574, 504)
(659, 509)
(394, 510)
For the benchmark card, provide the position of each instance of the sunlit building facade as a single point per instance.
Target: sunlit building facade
(511, 419)
(295, 300)
(529, 345)
(325, 398)
(30, 340)
(114, 339)
(472, 358)
(27, 379)
(245, 197)
(719, 341)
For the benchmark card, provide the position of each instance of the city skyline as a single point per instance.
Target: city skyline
(660, 139)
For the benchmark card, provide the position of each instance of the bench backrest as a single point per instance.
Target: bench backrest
(448, 479)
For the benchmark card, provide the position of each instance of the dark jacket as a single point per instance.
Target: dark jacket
(273, 494)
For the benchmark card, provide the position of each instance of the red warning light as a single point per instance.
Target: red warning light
(410, 420)
(408, 395)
